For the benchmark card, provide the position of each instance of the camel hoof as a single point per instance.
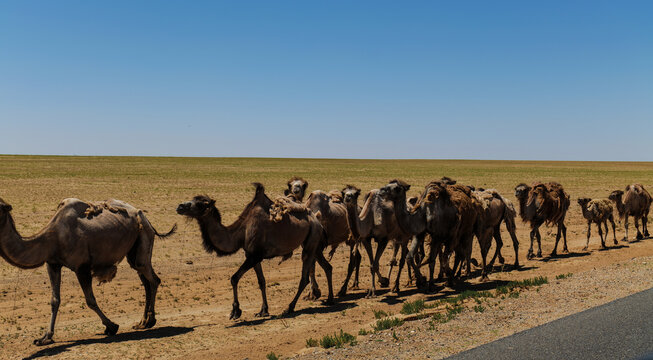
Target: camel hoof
(262, 313)
(328, 302)
(370, 294)
(45, 340)
(566, 251)
(501, 260)
(287, 312)
(639, 236)
(395, 289)
(342, 292)
(484, 278)
(516, 266)
(616, 242)
(384, 282)
(646, 234)
(553, 254)
(530, 255)
(111, 329)
(539, 254)
(235, 313)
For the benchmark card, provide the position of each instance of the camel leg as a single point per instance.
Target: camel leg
(140, 259)
(261, 285)
(539, 242)
(563, 227)
(410, 258)
(510, 226)
(355, 285)
(350, 270)
(497, 253)
(402, 261)
(431, 260)
(614, 230)
(645, 225)
(485, 248)
(328, 271)
(370, 253)
(589, 230)
(380, 248)
(308, 260)
(555, 247)
(54, 272)
(86, 282)
(639, 234)
(530, 250)
(393, 262)
(235, 278)
(626, 227)
(315, 292)
(601, 235)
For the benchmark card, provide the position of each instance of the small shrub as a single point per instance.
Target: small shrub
(337, 340)
(272, 356)
(412, 307)
(479, 308)
(363, 332)
(563, 276)
(384, 324)
(378, 314)
(310, 342)
(394, 335)
(514, 294)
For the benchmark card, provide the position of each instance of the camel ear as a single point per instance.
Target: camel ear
(406, 187)
(305, 186)
(6, 207)
(358, 192)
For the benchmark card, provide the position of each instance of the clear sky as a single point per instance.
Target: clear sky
(559, 80)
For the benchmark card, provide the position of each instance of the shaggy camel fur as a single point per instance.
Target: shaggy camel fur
(447, 212)
(375, 220)
(636, 203)
(296, 188)
(496, 209)
(543, 203)
(89, 241)
(261, 238)
(332, 214)
(598, 211)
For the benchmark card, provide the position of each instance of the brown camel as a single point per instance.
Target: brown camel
(89, 239)
(447, 212)
(497, 209)
(261, 238)
(375, 220)
(296, 188)
(332, 214)
(636, 203)
(598, 211)
(543, 203)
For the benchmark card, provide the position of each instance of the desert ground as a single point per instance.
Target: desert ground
(195, 296)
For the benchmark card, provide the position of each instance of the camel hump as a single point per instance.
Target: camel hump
(259, 188)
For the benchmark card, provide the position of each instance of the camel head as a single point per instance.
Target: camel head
(616, 195)
(350, 194)
(521, 191)
(4, 209)
(200, 206)
(296, 187)
(395, 190)
(317, 199)
(445, 180)
(583, 202)
(436, 191)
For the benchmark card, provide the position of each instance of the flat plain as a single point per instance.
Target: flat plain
(194, 299)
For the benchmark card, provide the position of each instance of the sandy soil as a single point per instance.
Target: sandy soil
(194, 301)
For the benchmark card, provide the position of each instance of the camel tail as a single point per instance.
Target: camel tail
(172, 231)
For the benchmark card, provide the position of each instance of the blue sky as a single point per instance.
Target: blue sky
(559, 80)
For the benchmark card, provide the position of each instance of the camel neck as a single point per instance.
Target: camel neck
(621, 208)
(217, 237)
(522, 207)
(410, 222)
(25, 254)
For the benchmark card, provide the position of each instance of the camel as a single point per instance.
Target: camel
(296, 188)
(332, 214)
(497, 209)
(543, 203)
(447, 212)
(375, 220)
(598, 211)
(261, 238)
(635, 203)
(89, 239)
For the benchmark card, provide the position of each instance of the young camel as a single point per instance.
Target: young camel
(637, 204)
(598, 211)
(261, 238)
(332, 214)
(89, 239)
(543, 203)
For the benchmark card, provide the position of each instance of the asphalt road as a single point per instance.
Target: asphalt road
(622, 329)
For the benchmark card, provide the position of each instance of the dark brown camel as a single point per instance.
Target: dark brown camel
(332, 214)
(636, 203)
(543, 203)
(447, 212)
(89, 239)
(296, 188)
(598, 211)
(261, 238)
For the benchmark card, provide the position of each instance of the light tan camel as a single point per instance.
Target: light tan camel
(635, 203)
(598, 211)
(89, 239)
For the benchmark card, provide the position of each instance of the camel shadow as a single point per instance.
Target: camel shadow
(615, 247)
(461, 287)
(564, 256)
(157, 333)
(323, 309)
